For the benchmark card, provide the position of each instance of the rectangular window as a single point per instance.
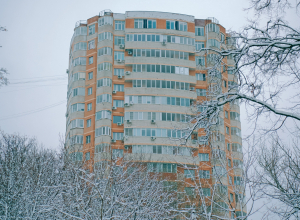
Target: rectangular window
(88, 123)
(119, 56)
(203, 157)
(118, 135)
(206, 191)
(228, 146)
(91, 29)
(88, 139)
(118, 103)
(138, 23)
(226, 114)
(199, 31)
(189, 174)
(200, 60)
(90, 75)
(227, 130)
(119, 72)
(200, 76)
(231, 197)
(204, 174)
(117, 153)
(87, 155)
(201, 92)
(91, 60)
(119, 25)
(91, 44)
(170, 25)
(119, 87)
(199, 45)
(90, 91)
(89, 107)
(119, 40)
(118, 119)
(229, 163)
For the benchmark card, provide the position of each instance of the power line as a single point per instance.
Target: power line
(32, 111)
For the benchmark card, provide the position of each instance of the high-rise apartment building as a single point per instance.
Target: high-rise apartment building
(133, 78)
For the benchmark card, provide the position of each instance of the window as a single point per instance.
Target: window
(204, 174)
(199, 45)
(238, 164)
(199, 31)
(103, 131)
(90, 75)
(119, 25)
(89, 107)
(104, 98)
(138, 23)
(117, 153)
(77, 123)
(118, 119)
(104, 66)
(118, 135)
(76, 139)
(106, 20)
(200, 60)
(160, 69)
(78, 91)
(77, 156)
(105, 36)
(238, 180)
(119, 55)
(144, 23)
(189, 174)
(190, 191)
(161, 84)
(90, 91)
(91, 44)
(219, 171)
(100, 148)
(225, 83)
(201, 92)
(91, 59)
(79, 46)
(237, 147)
(229, 163)
(158, 100)
(103, 114)
(105, 51)
(162, 167)
(118, 103)
(214, 43)
(212, 28)
(234, 116)
(88, 139)
(230, 180)
(119, 40)
(227, 130)
(203, 157)
(119, 87)
(88, 123)
(226, 114)
(236, 131)
(200, 76)
(92, 29)
(80, 31)
(228, 146)
(160, 38)
(78, 76)
(160, 53)
(176, 25)
(206, 191)
(222, 38)
(119, 72)
(77, 107)
(79, 61)
(87, 154)
(170, 25)
(104, 82)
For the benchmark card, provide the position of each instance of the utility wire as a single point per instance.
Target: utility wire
(32, 111)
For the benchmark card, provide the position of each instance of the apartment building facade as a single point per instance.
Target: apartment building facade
(133, 80)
